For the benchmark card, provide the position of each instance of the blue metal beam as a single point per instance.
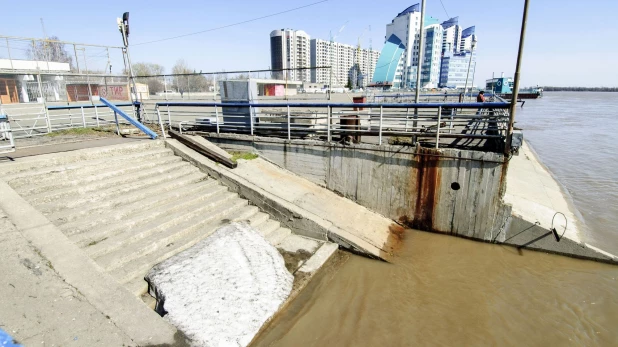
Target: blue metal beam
(137, 124)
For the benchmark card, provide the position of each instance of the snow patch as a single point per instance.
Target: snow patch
(222, 290)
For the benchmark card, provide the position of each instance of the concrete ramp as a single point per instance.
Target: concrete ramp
(303, 206)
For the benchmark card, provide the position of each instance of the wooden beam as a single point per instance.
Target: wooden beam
(207, 152)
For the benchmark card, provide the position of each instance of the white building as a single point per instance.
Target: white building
(451, 37)
(348, 63)
(289, 49)
(398, 60)
(467, 36)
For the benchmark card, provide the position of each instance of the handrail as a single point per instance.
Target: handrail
(470, 105)
(137, 124)
(68, 107)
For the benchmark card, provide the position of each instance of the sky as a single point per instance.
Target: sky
(568, 43)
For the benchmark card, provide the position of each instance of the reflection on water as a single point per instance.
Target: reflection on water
(450, 291)
(574, 134)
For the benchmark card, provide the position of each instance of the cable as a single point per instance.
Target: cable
(231, 25)
(554, 231)
(445, 9)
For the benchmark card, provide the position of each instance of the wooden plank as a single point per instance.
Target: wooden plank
(208, 153)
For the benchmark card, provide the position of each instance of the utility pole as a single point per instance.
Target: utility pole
(419, 63)
(123, 26)
(509, 134)
(469, 64)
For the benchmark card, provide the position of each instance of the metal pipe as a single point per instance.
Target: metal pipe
(328, 119)
(289, 133)
(160, 121)
(251, 119)
(217, 118)
(509, 134)
(438, 129)
(83, 118)
(380, 128)
(96, 115)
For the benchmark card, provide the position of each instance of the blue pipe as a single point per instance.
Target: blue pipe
(137, 124)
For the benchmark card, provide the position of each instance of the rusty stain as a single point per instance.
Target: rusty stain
(427, 183)
(394, 241)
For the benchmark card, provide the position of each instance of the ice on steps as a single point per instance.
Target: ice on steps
(222, 290)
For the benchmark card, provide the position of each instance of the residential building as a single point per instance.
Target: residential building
(397, 65)
(451, 37)
(349, 63)
(455, 69)
(289, 49)
(467, 37)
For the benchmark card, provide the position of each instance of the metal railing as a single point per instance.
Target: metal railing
(343, 120)
(37, 120)
(6, 135)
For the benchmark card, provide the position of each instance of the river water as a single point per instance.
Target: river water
(449, 291)
(574, 134)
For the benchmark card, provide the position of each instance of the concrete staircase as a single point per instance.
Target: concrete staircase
(134, 205)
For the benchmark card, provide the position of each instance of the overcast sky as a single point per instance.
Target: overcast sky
(568, 43)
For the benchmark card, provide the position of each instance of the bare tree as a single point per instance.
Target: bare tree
(50, 50)
(189, 80)
(144, 72)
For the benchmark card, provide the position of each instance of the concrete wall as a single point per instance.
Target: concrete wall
(414, 186)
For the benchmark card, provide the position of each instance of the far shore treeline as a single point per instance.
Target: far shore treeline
(580, 89)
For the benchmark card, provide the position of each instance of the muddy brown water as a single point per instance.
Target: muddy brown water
(449, 291)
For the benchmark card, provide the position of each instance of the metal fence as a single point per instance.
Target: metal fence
(52, 55)
(460, 122)
(36, 120)
(61, 88)
(270, 84)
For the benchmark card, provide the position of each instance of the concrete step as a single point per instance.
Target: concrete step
(258, 219)
(112, 239)
(138, 286)
(149, 300)
(132, 203)
(267, 227)
(103, 197)
(166, 237)
(133, 168)
(296, 250)
(278, 235)
(91, 187)
(55, 159)
(52, 173)
(139, 267)
(118, 220)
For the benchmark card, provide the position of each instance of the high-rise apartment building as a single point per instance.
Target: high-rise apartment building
(451, 37)
(467, 37)
(349, 64)
(396, 67)
(454, 70)
(289, 49)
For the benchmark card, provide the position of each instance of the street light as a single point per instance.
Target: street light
(469, 64)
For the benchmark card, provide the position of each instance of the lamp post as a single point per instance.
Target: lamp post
(469, 64)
